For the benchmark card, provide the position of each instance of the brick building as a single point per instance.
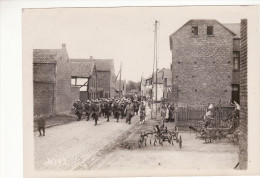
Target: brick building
(105, 78)
(84, 76)
(205, 62)
(243, 139)
(51, 81)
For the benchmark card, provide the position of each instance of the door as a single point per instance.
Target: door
(235, 94)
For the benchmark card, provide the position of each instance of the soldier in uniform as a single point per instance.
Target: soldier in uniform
(87, 109)
(95, 111)
(103, 107)
(41, 125)
(117, 110)
(135, 107)
(108, 110)
(78, 109)
(129, 110)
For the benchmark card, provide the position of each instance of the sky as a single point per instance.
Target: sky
(124, 34)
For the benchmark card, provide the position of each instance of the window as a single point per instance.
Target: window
(209, 30)
(235, 87)
(73, 81)
(165, 82)
(194, 31)
(236, 63)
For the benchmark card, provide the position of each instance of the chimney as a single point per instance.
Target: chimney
(63, 45)
(91, 57)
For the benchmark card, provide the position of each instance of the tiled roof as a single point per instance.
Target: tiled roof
(104, 64)
(81, 69)
(234, 27)
(101, 64)
(45, 55)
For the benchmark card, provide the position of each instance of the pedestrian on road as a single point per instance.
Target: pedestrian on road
(78, 109)
(95, 111)
(87, 109)
(129, 112)
(108, 110)
(142, 110)
(41, 125)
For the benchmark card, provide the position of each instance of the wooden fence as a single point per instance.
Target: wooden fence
(194, 116)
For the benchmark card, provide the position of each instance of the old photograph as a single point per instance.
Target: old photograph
(137, 88)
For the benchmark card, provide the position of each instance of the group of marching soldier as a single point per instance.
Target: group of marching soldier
(119, 107)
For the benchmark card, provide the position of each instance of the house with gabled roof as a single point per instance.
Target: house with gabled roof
(84, 76)
(105, 76)
(205, 62)
(51, 81)
(148, 85)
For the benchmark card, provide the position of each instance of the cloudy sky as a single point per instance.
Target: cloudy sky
(123, 34)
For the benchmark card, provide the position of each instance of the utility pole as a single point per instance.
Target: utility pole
(120, 79)
(154, 61)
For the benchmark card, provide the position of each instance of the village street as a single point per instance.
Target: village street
(111, 145)
(65, 147)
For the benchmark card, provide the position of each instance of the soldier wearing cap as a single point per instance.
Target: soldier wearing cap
(78, 109)
(117, 110)
(95, 111)
(87, 109)
(129, 110)
(108, 110)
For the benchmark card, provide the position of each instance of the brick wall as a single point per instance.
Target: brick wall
(202, 65)
(63, 83)
(44, 73)
(243, 142)
(43, 88)
(43, 98)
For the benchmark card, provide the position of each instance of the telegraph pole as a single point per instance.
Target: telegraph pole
(154, 61)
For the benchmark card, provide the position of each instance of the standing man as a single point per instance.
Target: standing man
(95, 111)
(142, 112)
(78, 109)
(87, 109)
(129, 112)
(108, 110)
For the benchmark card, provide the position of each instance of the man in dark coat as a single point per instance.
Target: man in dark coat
(108, 109)
(95, 111)
(78, 109)
(87, 109)
(41, 125)
(129, 110)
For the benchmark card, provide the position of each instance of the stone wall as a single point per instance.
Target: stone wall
(202, 65)
(243, 140)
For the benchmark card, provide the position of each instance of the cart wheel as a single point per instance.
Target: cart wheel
(180, 142)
